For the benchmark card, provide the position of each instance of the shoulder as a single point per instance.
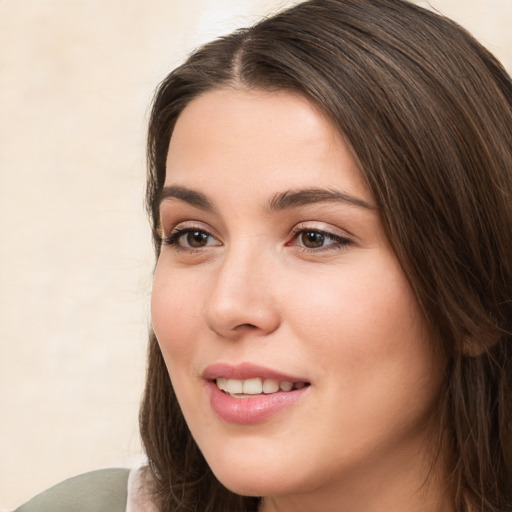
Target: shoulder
(104, 490)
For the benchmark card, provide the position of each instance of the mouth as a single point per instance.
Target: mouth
(248, 394)
(249, 388)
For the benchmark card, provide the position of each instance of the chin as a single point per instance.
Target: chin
(253, 477)
(252, 484)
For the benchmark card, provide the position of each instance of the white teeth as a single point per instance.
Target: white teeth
(255, 386)
(270, 386)
(234, 386)
(252, 387)
(222, 384)
(286, 386)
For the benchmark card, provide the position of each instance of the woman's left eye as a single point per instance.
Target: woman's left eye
(316, 239)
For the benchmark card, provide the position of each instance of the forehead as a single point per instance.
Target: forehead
(260, 139)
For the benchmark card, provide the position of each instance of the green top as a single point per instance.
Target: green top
(99, 491)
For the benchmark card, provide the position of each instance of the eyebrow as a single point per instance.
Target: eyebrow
(187, 195)
(283, 201)
(296, 198)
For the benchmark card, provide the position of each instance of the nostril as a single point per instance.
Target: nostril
(248, 327)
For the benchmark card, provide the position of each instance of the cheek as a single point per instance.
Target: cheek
(364, 324)
(175, 313)
(367, 343)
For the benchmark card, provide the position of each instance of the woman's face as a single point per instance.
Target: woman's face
(294, 343)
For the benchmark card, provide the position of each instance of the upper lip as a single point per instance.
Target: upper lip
(245, 371)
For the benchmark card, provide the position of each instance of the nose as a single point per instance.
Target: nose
(242, 300)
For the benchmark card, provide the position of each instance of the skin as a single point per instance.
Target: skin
(340, 314)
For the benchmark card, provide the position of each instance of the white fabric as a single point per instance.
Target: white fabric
(138, 498)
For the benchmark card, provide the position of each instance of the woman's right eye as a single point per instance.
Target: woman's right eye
(190, 239)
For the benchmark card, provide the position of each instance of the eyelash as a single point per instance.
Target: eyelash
(173, 239)
(338, 242)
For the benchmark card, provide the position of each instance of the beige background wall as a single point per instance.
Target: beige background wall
(76, 78)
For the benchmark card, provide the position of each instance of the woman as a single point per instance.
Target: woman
(330, 195)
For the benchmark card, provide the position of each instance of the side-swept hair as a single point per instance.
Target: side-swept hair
(427, 113)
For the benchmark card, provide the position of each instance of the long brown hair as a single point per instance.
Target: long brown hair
(427, 112)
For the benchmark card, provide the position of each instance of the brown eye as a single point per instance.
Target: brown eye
(196, 239)
(318, 240)
(312, 239)
(190, 239)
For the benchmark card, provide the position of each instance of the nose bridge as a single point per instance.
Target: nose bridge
(242, 297)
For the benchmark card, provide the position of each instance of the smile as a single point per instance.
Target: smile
(256, 386)
(247, 394)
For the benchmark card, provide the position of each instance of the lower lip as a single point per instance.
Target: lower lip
(247, 411)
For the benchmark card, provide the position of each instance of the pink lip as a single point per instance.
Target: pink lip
(245, 371)
(257, 409)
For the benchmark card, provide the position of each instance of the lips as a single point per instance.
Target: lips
(246, 371)
(246, 393)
